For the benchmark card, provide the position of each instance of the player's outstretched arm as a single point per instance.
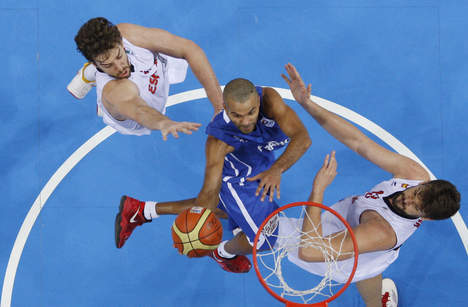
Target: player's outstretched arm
(400, 166)
(373, 234)
(159, 40)
(275, 108)
(121, 96)
(215, 151)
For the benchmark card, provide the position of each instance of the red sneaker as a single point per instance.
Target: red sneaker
(130, 216)
(238, 264)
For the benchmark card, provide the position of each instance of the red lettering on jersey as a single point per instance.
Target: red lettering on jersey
(418, 223)
(373, 195)
(153, 83)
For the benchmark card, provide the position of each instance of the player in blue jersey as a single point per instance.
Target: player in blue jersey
(241, 173)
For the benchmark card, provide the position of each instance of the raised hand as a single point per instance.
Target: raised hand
(326, 174)
(173, 127)
(300, 92)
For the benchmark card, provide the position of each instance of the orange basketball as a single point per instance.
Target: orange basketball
(196, 232)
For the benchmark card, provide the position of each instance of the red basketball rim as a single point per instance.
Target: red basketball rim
(273, 293)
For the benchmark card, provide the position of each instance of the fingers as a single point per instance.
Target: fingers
(253, 178)
(286, 78)
(184, 127)
(175, 134)
(292, 71)
(164, 135)
(329, 164)
(191, 126)
(268, 189)
(325, 162)
(333, 164)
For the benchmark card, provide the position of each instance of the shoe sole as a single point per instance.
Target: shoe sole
(79, 98)
(118, 220)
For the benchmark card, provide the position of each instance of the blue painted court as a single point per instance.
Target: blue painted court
(400, 64)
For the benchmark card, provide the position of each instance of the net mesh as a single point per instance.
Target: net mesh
(279, 275)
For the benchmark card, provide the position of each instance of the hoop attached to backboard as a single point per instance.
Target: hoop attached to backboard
(270, 260)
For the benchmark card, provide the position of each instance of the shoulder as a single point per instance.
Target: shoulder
(220, 119)
(377, 229)
(273, 105)
(141, 36)
(216, 147)
(129, 30)
(120, 90)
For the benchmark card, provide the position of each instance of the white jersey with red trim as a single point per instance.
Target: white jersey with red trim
(351, 208)
(152, 74)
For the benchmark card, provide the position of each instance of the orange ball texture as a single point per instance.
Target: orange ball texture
(196, 232)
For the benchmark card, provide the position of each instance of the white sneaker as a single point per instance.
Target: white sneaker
(79, 86)
(389, 293)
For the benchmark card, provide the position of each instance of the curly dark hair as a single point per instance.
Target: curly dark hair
(97, 36)
(440, 199)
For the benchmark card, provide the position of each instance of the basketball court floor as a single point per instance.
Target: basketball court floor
(399, 64)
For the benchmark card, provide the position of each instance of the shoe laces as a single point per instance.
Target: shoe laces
(385, 299)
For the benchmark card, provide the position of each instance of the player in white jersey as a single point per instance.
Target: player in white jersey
(132, 67)
(381, 219)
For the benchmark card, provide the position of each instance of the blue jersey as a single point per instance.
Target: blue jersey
(253, 152)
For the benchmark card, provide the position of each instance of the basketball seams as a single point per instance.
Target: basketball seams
(195, 223)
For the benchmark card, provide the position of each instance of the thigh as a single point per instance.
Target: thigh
(246, 210)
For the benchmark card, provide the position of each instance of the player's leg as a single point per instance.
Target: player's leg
(176, 207)
(371, 291)
(378, 292)
(234, 263)
(230, 255)
(239, 245)
(246, 211)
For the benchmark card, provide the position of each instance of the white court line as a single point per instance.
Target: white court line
(103, 134)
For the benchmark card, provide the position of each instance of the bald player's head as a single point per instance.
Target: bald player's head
(238, 90)
(242, 104)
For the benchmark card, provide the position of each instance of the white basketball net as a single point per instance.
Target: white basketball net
(271, 265)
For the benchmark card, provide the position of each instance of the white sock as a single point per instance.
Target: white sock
(222, 252)
(90, 73)
(150, 210)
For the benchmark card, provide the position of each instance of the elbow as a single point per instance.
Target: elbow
(307, 143)
(301, 254)
(304, 141)
(192, 50)
(308, 255)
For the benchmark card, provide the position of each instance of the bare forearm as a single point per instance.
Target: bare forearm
(296, 148)
(312, 235)
(150, 118)
(338, 127)
(202, 69)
